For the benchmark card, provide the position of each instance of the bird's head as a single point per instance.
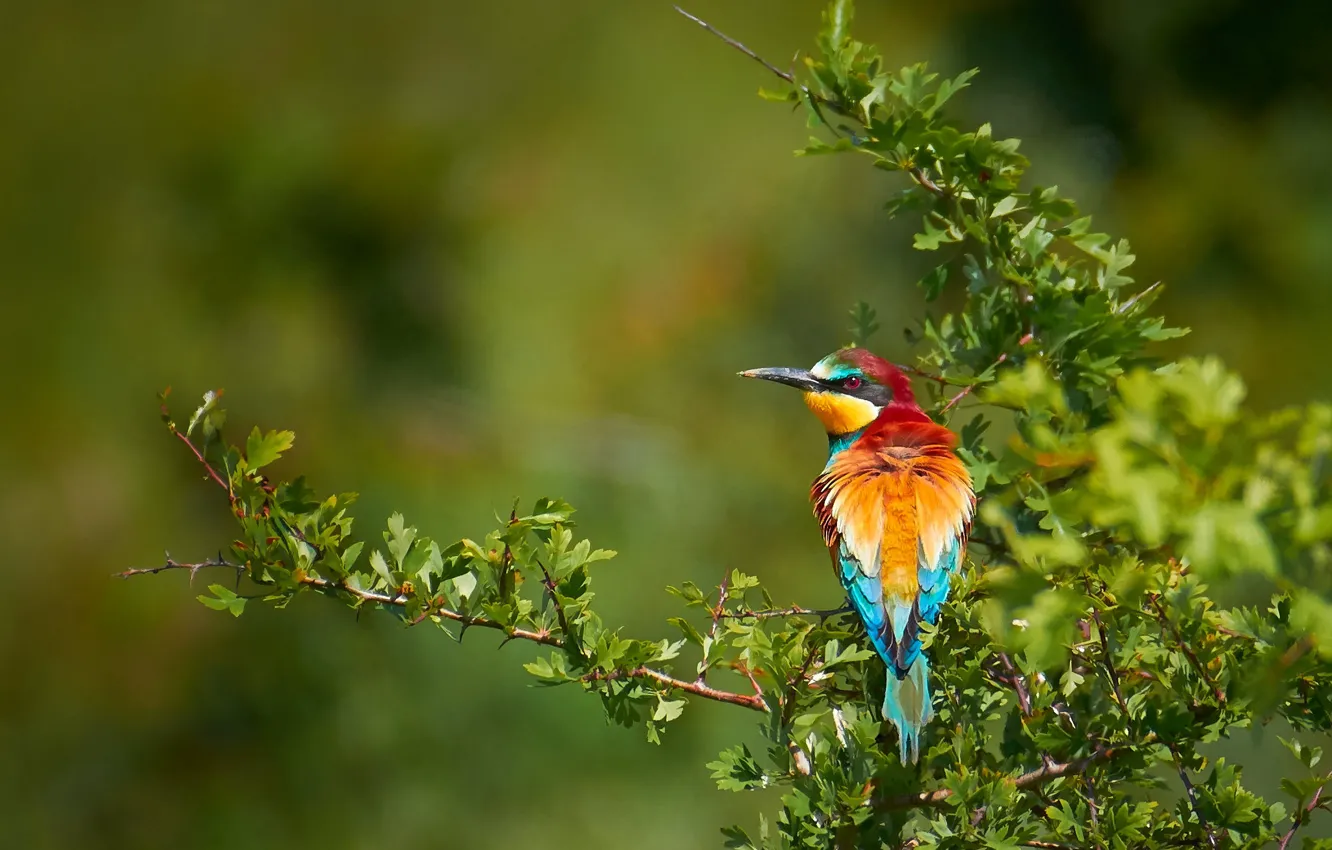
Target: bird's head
(848, 389)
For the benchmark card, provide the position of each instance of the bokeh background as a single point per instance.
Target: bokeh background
(473, 251)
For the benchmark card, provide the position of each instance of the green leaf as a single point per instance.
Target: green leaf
(223, 599)
(261, 450)
(948, 88)
(209, 415)
(1006, 205)
(931, 237)
(692, 634)
(465, 585)
(787, 96)
(549, 512)
(380, 566)
(668, 709)
(351, 554)
(1070, 681)
(933, 283)
(399, 538)
(836, 22)
(736, 769)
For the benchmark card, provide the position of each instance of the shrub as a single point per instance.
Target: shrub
(1086, 657)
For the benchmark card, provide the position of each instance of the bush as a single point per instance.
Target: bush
(1087, 654)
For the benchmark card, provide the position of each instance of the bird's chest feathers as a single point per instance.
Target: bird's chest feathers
(841, 414)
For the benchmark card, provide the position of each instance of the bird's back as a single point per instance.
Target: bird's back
(894, 507)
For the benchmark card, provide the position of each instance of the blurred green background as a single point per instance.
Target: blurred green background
(475, 251)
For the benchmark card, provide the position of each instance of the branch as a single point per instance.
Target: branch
(549, 584)
(1192, 795)
(543, 637)
(793, 611)
(1018, 684)
(1091, 807)
(1162, 617)
(918, 174)
(816, 99)
(1041, 775)
(788, 705)
(1290, 833)
(754, 703)
(1108, 657)
(212, 473)
(171, 564)
(718, 611)
(785, 75)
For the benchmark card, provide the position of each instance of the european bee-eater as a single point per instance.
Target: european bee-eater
(895, 506)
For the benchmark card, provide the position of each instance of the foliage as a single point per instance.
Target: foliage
(1104, 632)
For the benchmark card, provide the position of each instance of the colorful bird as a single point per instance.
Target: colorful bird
(895, 506)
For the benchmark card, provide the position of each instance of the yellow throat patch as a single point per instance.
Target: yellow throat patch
(841, 414)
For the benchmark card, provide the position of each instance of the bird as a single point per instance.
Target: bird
(895, 505)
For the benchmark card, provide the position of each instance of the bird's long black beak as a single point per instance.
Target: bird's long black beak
(798, 378)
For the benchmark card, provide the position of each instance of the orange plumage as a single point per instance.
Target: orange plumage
(895, 504)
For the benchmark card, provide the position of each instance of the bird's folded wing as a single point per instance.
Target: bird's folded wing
(895, 520)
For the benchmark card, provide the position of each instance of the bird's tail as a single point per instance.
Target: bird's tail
(906, 703)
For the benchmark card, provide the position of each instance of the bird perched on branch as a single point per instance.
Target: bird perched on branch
(895, 505)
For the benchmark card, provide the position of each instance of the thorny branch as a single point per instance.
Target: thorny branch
(545, 638)
(785, 75)
(754, 702)
(1049, 770)
(212, 473)
(792, 611)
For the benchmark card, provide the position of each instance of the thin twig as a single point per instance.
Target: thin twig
(506, 561)
(1192, 795)
(748, 674)
(970, 388)
(929, 376)
(818, 101)
(1019, 684)
(212, 473)
(785, 75)
(1091, 806)
(171, 564)
(1108, 657)
(718, 611)
(793, 611)
(918, 174)
(788, 708)
(549, 584)
(1165, 621)
(1290, 833)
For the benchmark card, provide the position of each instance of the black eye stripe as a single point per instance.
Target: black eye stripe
(868, 390)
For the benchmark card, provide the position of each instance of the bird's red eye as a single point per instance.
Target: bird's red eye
(852, 382)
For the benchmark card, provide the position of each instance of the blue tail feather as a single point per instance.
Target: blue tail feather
(906, 704)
